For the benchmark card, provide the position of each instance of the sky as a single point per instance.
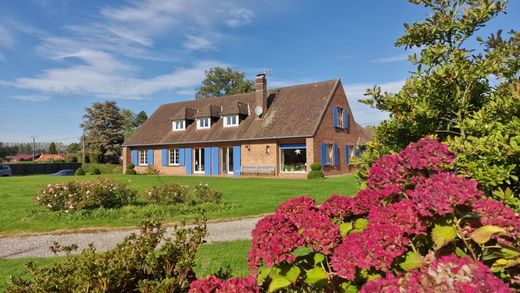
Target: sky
(59, 56)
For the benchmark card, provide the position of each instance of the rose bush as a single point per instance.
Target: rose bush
(417, 227)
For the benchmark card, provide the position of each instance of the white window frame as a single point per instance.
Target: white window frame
(231, 118)
(201, 123)
(173, 157)
(330, 154)
(341, 117)
(143, 157)
(178, 125)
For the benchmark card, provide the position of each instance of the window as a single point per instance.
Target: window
(340, 121)
(227, 160)
(173, 157)
(198, 162)
(330, 154)
(231, 120)
(178, 125)
(203, 123)
(143, 157)
(293, 159)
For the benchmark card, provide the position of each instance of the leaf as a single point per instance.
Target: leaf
(484, 233)
(442, 235)
(412, 261)
(360, 225)
(318, 257)
(292, 274)
(302, 251)
(278, 282)
(315, 275)
(460, 253)
(344, 228)
(263, 274)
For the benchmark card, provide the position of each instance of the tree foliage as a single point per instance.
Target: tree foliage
(132, 121)
(457, 92)
(103, 127)
(220, 82)
(52, 148)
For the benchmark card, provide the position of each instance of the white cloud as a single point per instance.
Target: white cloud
(6, 41)
(397, 58)
(32, 98)
(197, 43)
(363, 113)
(239, 16)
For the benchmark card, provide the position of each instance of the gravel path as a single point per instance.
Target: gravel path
(38, 245)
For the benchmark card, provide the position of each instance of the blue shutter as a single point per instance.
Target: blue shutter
(236, 160)
(207, 161)
(164, 157)
(345, 119)
(150, 157)
(188, 157)
(214, 161)
(323, 154)
(134, 158)
(181, 157)
(335, 116)
(347, 154)
(336, 155)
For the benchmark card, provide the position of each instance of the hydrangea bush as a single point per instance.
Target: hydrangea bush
(417, 227)
(171, 193)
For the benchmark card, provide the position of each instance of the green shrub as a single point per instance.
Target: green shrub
(80, 195)
(315, 166)
(79, 172)
(95, 171)
(315, 174)
(71, 159)
(148, 262)
(205, 194)
(172, 193)
(104, 168)
(130, 166)
(131, 172)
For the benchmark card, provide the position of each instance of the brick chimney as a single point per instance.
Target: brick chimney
(261, 93)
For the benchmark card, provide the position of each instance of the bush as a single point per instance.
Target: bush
(80, 195)
(104, 168)
(315, 175)
(148, 262)
(96, 157)
(79, 172)
(172, 193)
(417, 227)
(315, 166)
(130, 172)
(95, 171)
(71, 159)
(205, 194)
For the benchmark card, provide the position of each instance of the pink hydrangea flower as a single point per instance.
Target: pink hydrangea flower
(427, 154)
(440, 193)
(207, 285)
(387, 171)
(240, 285)
(297, 205)
(273, 240)
(317, 230)
(402, 214)
(494, 212)
(337, 206)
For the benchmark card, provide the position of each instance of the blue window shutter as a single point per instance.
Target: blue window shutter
(164, 157)
(181, 157)
(207, 161)
(336, 155)
(214, 161)
(323, 154)
(236, 160)
(150, 157)
(347, 154)
(134, 158)
(335, 116)
(187, 158)
(345, 119)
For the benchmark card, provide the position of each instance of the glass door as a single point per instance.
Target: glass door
(227, 160)
(198, 162)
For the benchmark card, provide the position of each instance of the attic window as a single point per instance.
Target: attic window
(203, 123)
(178, 125)
(231, 120)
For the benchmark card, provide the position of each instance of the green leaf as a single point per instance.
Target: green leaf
(412, 261)
(484, 233)
(443, 235)
(263, 274)
(292, 274)
(318, 257)
(278, 282)
(460, 253)
(360, 225)
(315, 275)
(344, 228)
(302, 251)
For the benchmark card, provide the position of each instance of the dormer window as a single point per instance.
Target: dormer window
(203, 123)
(179, 125)
(231, 120)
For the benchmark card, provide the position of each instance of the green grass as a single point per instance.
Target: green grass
(210, 258)
(104, 168)
(241, 197)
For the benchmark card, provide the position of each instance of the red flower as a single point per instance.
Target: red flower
(206, 285)
(427, 154)
(494, 212)
(402, 214)
(387, 171)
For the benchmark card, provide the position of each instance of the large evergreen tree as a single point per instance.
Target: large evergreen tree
(132, 121)
(103, 127)
(52, 148)
(220, 82)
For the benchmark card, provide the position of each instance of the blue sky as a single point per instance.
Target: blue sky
(57, 56)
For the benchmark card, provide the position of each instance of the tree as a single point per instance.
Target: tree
(103, 127)
(52, 148)
(73, 148)
(131, 121)
(220, 82)
(6, 150)
(454, 83)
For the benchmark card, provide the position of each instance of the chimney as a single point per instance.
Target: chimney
(261, 95)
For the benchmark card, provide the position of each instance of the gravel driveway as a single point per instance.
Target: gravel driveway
(38, 245)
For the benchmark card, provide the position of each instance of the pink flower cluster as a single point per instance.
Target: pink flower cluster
(446, 274)
(375, 248)
(343, 207)
(387, 171)
(213, 284)
(440, 193)
(402, 214)
(427, 154)
(493, 212)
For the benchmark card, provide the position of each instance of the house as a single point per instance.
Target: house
(22, 158)
(50, 157)
(278, 132)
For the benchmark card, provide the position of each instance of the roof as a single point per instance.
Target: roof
(27, 157)
(294, 111)
(50, 157)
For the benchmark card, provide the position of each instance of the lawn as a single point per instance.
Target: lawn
(242, 197)
(210, 258)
